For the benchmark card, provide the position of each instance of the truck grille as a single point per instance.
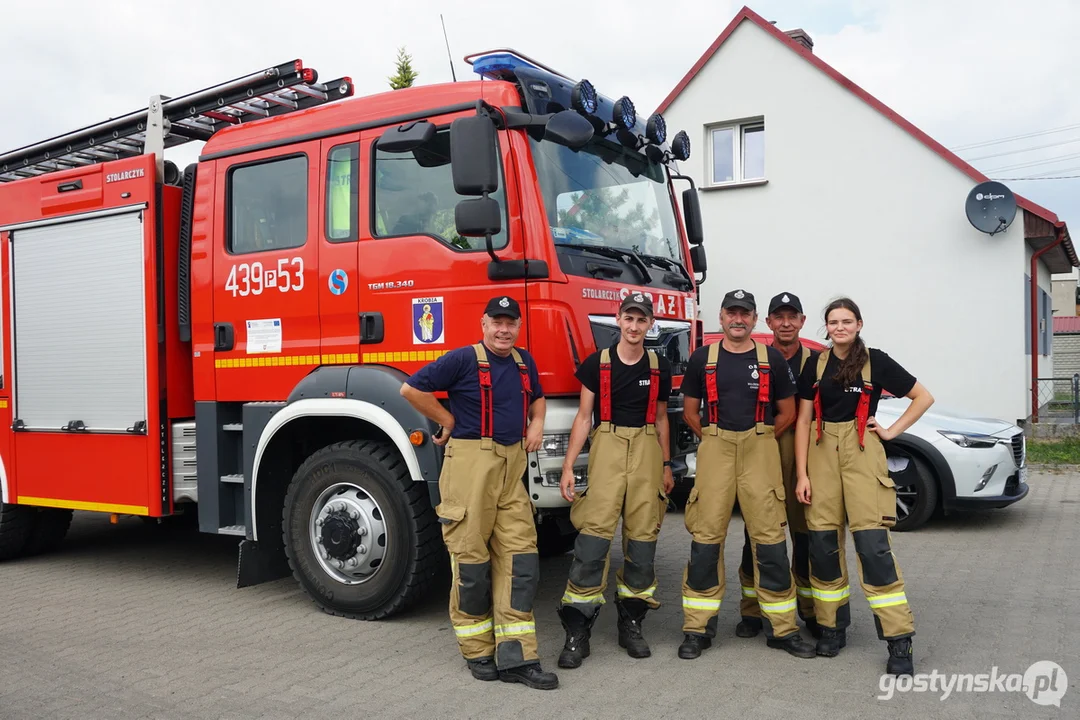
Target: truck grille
(1018, 449)
(670, 338)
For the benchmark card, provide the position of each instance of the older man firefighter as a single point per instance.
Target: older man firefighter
(785, 319)
(496, 415)
(748, 389)
(629, 477)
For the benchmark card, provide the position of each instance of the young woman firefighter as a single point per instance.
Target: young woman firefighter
(843, 473)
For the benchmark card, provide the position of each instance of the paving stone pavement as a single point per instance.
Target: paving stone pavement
(140, 621)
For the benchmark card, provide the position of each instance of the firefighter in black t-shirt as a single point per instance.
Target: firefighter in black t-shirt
(623, 413)
(748, 390)
(785, 319)
(847, 469)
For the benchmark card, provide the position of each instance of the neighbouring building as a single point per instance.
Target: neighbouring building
(1066, 295)
(810, 184)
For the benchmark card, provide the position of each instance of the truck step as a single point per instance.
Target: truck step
(232, 479)
(233, 530)
(233, 427)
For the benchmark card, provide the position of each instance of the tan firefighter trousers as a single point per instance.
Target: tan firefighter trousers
(744, 465)
(845, 479)
(626, 479)
(488, 528)
(800, 541)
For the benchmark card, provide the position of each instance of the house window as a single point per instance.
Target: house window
(738, 152)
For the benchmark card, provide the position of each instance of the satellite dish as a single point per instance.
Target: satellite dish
(990, 207)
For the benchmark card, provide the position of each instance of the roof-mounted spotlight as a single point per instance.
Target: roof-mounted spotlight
(623, 113)
(680, 146)
(583, 97)
(656, 129)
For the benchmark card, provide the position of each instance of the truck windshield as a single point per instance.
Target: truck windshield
(606, 195)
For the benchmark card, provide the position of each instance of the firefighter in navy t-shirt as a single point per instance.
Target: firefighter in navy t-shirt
(748, 393)
(623, 413)
(496, 416)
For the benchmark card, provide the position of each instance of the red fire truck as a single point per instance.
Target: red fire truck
(229, 340)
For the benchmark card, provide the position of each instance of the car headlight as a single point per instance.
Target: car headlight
(970, 440)
(556, 445)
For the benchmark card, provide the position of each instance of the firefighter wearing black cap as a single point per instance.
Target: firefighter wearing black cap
(748, 392)
(844, 476)
(495, 417)
(786, 320)
(623, 413)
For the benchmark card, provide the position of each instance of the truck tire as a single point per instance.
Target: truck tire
(47, 531)
(15, 524)
(360, 536)
(551, 541)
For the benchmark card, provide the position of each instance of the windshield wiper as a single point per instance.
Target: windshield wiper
(661, 261)
(617, 254)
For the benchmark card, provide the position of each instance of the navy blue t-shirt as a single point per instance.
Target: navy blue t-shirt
(458, 374)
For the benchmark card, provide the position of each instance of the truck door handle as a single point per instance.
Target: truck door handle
(223, 336)
(371, 327)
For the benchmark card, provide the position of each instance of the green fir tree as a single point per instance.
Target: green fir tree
(405, 74)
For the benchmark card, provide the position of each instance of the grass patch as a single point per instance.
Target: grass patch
(1064, 451)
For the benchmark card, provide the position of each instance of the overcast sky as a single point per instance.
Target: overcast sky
(964, 71)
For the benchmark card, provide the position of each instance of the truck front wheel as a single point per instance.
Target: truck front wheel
(16, 522)
(360, 535)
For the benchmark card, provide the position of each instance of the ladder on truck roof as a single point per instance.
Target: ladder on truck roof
(167, 122)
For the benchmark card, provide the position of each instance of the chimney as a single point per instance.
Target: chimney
(799, 35)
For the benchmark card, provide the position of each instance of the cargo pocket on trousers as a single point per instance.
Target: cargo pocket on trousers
(451, 520)
(691, 512)
(886, 493)
(780, 504)
(663, 500)
(576, 511)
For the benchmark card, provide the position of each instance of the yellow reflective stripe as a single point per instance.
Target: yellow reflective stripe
(880, 601)
(625, 591)
(805, 592)
(479, 628)
(778, 607)
(833, 595)
(749, 591)
(519, 629)
(571, 598)
(700, 603)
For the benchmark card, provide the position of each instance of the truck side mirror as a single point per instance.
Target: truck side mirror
(473, 158)
(692, 216)
(568, 128)
(403, 138)
(478, 217)
(697, 259)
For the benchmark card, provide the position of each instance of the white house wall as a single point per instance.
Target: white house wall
(856, 206)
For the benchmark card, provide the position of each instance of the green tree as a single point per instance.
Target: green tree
(405, 74)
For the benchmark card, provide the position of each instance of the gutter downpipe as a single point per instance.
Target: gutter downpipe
(1035, 319)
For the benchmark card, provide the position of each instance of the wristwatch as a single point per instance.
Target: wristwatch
(667, 463)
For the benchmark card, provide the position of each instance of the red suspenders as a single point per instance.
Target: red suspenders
(862, 410)
(763, 393)
(487, 409)
(605, 387)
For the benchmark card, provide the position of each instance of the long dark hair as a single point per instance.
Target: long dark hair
(852, 365)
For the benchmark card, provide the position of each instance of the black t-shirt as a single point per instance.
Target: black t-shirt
(839, 404)
(629, 386)
(793, 362)
(458, 373)
(737, 385)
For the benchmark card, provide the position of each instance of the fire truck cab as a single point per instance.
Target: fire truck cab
(230, 340)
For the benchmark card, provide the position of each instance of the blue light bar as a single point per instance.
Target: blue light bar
(500, 66)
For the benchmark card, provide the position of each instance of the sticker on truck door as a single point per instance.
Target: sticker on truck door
(264, 336)
(427, 321)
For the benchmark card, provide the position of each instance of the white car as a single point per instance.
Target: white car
(949, 461)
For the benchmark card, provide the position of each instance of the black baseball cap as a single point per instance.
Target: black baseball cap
(639, 301)
(503, 305)
(739, 298)
(785, 299)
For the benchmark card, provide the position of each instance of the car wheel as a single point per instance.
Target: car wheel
(915, 502)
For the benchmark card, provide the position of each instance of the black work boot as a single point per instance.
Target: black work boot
(812, 627)
(794, 645)
(901, 657)
(748, 627)
(631, 614)
(831, 641)
(483, 668)
(692, 645)
(531, 675)
(578, 630)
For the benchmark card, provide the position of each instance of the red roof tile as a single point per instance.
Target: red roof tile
(1066, 325)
